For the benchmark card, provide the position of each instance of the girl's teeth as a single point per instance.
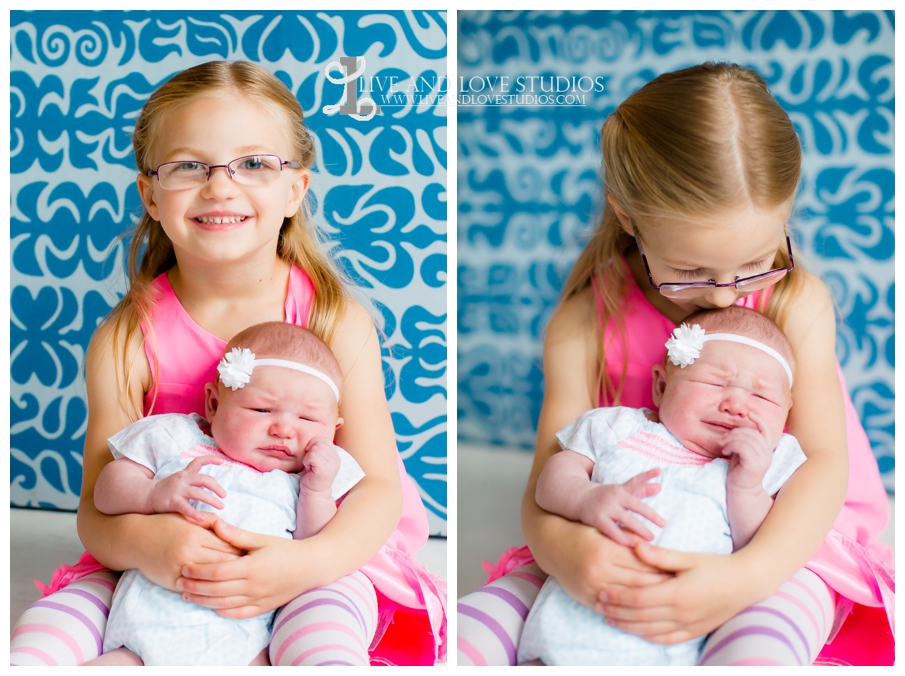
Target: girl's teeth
(217, 220)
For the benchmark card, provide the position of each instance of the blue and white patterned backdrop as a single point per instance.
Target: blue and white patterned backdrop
(529, 183)
(78, 80)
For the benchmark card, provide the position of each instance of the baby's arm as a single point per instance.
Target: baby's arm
(749, 452)
(127, 487)
(316, 505)
(565, 488)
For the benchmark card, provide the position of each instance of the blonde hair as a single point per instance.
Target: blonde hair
(700, 140)
(151, 251)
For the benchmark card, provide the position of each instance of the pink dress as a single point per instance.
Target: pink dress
(411, 601)
(851, 560)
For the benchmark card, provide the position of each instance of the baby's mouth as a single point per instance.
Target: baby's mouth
(276, 450)
(219, 220)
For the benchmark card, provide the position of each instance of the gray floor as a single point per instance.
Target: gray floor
(41, 540)
(491, 481)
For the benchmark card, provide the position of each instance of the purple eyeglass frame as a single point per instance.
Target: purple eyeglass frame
(211, 167)
(712, 282)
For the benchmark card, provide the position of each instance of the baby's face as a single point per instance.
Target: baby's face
(268, 423)
(724, 388)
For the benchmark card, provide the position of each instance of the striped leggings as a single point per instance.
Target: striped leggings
(789, 628)
(331, 625)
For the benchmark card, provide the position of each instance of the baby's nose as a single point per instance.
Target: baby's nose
(282, 429)
(734, 402)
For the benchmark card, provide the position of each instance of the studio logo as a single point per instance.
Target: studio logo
(362, 109)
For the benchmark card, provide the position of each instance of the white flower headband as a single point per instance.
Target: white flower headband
(684, 346)
(237, 365)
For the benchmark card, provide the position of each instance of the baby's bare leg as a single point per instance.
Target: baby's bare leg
(121, 657)
(262, 660)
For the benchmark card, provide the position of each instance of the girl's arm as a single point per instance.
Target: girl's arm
(581, 559)
(160, 544)
(708, 589)
(278, 570)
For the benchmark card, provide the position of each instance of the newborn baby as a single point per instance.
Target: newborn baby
(264, 461)
(699, 477)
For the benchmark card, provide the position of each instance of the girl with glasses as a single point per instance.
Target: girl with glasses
(226, 241)
(701, 167)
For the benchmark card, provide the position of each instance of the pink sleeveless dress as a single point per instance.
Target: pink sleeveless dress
(411, 601)
(851, 560)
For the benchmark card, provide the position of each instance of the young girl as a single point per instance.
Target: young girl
(716, 452)
(227, 242)
(262, 458)
(701, 167)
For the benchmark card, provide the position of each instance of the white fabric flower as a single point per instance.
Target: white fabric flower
(236, 366)
(684, 346)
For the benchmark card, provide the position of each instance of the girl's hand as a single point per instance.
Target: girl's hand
(170, 541)
(702, 595)
(596, 562)
(174, 493)
(608, 505)
(255, 583)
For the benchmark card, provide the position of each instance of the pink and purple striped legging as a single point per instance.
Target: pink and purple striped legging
(331, 625)
(789, 628)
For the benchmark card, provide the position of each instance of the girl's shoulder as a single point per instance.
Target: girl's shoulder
(355, 329)
(811, 306)
(575, 316)
(116, 342)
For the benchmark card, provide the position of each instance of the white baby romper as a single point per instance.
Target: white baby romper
(623, 443)
(155, 623)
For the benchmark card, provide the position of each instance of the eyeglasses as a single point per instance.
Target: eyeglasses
(689, 290)
(249, 170)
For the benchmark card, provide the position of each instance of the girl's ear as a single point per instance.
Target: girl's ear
(297, 193)
(146, 192)
(659, 383)
(621, 214)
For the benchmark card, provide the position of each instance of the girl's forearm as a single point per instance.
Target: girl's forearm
(544, 532)
(113, 540)
(799, 520)
(364, 521)
(747, 510)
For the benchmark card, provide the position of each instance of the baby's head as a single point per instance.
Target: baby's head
(264, 414)
(730, 384)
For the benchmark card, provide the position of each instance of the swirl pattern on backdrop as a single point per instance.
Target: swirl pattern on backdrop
(78, 80)
(529, 182)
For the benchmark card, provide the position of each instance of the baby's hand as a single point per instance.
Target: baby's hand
(173, 493)
(749, 453)
(320, 465)
(605, 506)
